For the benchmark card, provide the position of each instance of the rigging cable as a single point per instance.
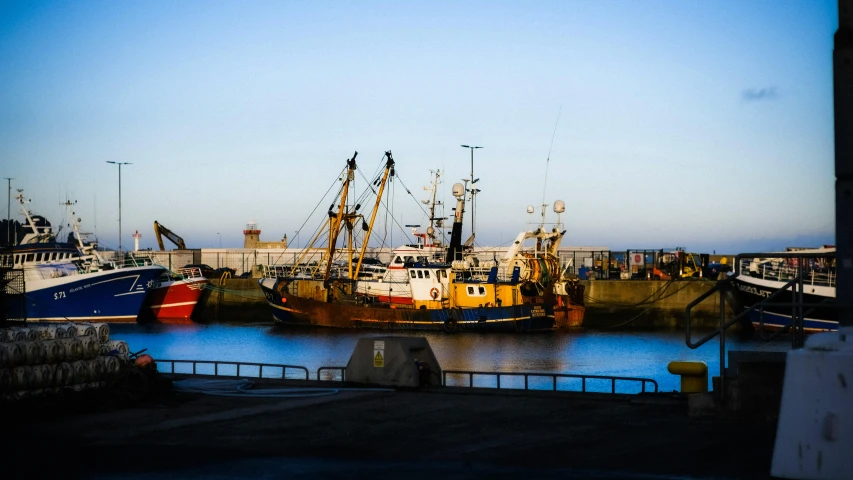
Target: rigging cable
(548, 160)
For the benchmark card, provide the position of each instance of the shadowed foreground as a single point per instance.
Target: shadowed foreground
(447, 433)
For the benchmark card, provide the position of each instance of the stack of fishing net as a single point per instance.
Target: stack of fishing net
(44, 360)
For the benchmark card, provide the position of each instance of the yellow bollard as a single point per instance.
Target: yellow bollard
(694, 376)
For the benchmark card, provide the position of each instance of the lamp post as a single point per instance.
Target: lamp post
(9, 215)
(473, 181)
(220, 239)
(119, 199)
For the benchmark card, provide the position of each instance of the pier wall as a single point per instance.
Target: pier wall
(609, 303)
(652, 303)
(237, 300)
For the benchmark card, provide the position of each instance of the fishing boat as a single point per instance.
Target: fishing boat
(515, 294)
(768, 287)
(175, 296)
(67, 282)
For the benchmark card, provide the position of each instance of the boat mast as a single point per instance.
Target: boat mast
(433, 222)
(38, 235)
(389, 171)
(335, 219)
(456, 234)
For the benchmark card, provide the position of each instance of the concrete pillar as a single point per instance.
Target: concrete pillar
(815, 433)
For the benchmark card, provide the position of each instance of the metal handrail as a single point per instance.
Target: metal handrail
(343, 371)
(554, 377)
(795, 285)
(217, 363)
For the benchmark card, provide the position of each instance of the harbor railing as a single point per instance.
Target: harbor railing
(240, 369)
(554, 384)
(557, 381)
(796, 268)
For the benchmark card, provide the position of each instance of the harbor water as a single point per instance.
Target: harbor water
(623, 353)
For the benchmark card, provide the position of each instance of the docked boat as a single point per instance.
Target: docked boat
(175, 296)
(416, 292)
(63, 282)
(768, 288)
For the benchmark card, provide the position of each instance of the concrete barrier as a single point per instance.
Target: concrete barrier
(649, 303)
(238, 300)
(394, 361)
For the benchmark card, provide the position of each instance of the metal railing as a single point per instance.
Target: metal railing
(795, 278)
(342, 370)
(554, 376)
(217, 364)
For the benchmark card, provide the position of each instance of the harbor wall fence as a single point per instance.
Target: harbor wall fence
(585, 262)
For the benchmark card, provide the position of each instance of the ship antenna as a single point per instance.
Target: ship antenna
(548, 161)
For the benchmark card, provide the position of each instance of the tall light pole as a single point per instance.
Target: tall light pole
(473, 181)
(220, 239)
(9, 215)
(119, 199)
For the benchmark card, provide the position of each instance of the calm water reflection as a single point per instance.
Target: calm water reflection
(618, 353)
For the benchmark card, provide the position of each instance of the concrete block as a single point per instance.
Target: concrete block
(701, 405)
(394, 361)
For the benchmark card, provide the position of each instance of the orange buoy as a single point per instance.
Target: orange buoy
(145, 361)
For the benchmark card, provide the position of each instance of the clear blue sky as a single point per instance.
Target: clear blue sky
(700, 124)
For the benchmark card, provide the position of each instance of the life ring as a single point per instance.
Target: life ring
(433, 293)
(449, 326)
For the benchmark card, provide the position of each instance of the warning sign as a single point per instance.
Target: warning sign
(379, 353)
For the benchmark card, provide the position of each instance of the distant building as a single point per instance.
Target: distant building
(252, 238)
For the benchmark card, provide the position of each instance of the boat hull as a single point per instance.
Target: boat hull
(174, 301)
(821, 318)
(113, 296)
(288, 309)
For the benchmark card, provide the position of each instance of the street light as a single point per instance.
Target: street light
(473, 181)
(119, 199)
(9, 215)
(220, 239)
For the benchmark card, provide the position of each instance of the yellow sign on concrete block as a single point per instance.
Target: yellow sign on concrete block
(378, 360)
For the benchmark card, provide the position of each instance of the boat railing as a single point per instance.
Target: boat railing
(191, 272)
(554, 383)
(234, 369)
(814, 274)
(303, 271)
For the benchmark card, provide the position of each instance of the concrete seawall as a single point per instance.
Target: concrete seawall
(238, 300)
(609, 303)
(653, 303)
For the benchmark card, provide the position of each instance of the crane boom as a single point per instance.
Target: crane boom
(161, 231)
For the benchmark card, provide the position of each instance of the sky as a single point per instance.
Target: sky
(705, 125)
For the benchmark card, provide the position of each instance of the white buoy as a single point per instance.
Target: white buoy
(814, 437)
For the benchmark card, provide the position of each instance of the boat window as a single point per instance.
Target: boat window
(53, 256)
(470, 290)
(17, 259)
(420, 274)
(38, 257)
(409, 259)
(398, 260)
(426, 273)
(482, 291)
(412, 273)
(29, 257)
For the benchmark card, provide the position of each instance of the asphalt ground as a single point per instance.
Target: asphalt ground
(447, 433)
